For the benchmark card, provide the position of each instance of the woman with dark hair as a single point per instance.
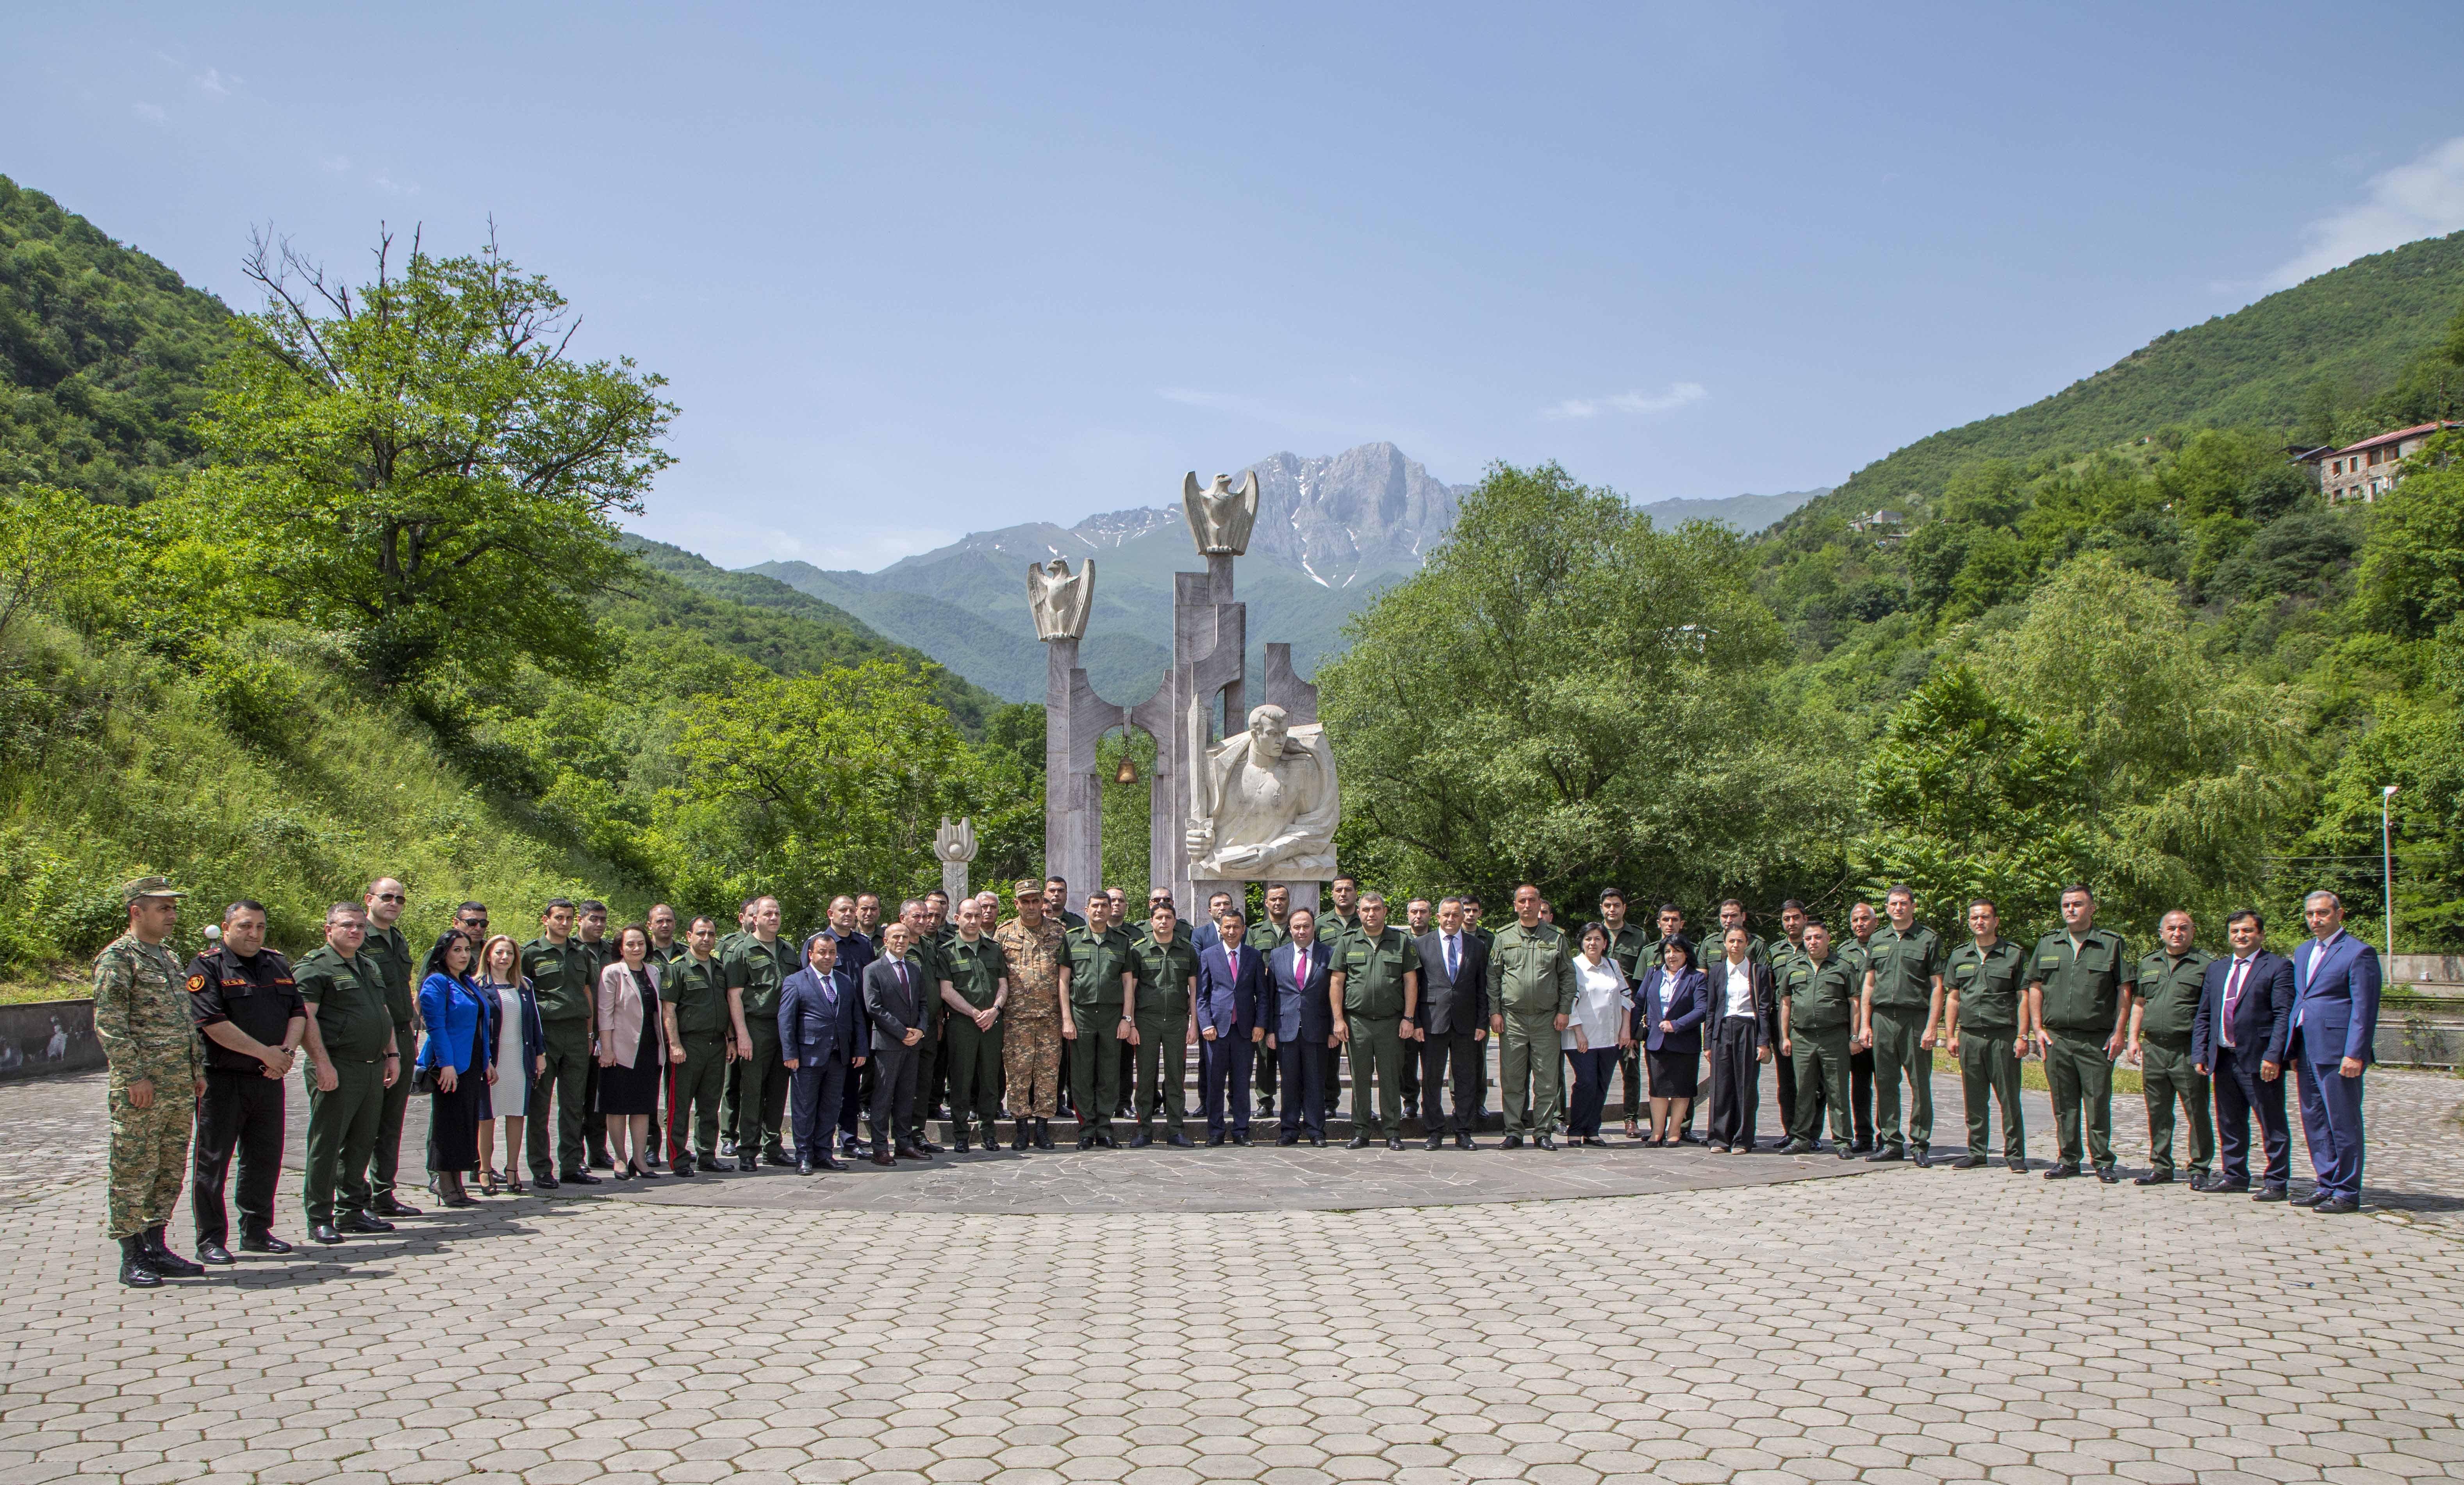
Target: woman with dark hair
(520, 1054)
(1668, 1010)
(1594, 1032)
(632, 1050)
(459, 1050)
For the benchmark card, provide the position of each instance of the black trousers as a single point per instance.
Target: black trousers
(815, 1091)
(2240, 1093)
(1736, 1081)
(1263, 1080)
(893, 1093)
(1302, 1066)
(242, 1112)
(1447, 1057)
(857, 1098)
(1591, 1071)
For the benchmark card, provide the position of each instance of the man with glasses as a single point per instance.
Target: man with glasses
(355, 1060)
(390, 952)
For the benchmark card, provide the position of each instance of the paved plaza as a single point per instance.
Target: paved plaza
(1269, 1314)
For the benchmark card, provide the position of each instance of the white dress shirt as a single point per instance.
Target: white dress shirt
(1741, 987)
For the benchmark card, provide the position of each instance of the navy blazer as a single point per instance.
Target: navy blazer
(892, 1012)
(1295, 1012)
(1682, 1005)
(2336, 999)
(816, 1020)
(2263, 1021)
(1459, 1004)
(1230, 1004)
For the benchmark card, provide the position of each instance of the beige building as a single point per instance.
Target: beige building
(2367, 470)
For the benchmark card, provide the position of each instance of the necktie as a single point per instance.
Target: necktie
(1453, 955)
(903, 986)
(2232, 991)
(1301, 979)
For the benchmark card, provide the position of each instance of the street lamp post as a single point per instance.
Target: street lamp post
(2387, 863)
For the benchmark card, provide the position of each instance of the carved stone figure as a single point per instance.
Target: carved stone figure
(955, 846)
(1060, 599)
(1220, 517)
(1265, 805)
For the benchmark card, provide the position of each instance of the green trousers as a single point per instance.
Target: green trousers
(567, 1050)
(1095, 1065)
(1989, 1068)
(2167, 1074)
(693, 1088)
(731, 1093)
(1900, 1053)
(762, 1090)
(343, 1138)
(975, 1070)
(386, 1163)
(2080, 1077)
(1163, 1062)
(1819, 1058)
(1530, 1067)
(1377, 1049)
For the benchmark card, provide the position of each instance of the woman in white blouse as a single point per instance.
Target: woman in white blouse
(1594, 1032)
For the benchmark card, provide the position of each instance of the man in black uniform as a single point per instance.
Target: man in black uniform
(244, 1003)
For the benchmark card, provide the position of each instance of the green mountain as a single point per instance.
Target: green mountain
(2347, 350)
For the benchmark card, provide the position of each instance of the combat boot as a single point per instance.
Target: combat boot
(1020, 1143)
(1043, 1134)
(159, 1257)
(136, 1267)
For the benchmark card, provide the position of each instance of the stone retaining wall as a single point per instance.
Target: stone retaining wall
(44, 1036)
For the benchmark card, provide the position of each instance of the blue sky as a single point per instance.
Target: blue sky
(918, 270)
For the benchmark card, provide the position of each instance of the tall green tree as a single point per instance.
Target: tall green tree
(422, 464)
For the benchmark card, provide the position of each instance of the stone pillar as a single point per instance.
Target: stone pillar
(955, 846)
(1075, 719)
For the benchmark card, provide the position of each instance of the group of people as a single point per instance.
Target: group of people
(660, 1051)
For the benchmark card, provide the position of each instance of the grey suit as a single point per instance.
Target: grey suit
(893, 1004)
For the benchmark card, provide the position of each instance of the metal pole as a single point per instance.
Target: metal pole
(2387, 848)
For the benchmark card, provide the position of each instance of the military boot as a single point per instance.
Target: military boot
(162, 1260)
(136, 1267)
(1020, 1143)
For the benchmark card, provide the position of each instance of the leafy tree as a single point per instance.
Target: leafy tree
(2411, 581)
(422, 464)
(1968, 796)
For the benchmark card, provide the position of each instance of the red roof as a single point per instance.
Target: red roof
(2400, 433)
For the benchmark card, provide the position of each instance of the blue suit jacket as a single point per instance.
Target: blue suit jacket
(816, 1020)
(461, 1025)
(1683, 1004)
(1295, 1012)
(2336, 999)
(2263, 1021)
(1228, 1003)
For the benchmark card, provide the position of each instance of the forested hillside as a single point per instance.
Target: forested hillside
(189, 681)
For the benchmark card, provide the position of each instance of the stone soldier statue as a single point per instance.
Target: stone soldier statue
(158, 1073)
(1267, 804)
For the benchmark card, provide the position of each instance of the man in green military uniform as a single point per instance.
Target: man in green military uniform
(1338, 923)
(731, 1088)
(590, 937)
(1375, 990)
(692, 1001)
(561, 977)
(1165, 965)
(754, 970)
(1900, 1018)
(1095, 1020)
(158, 1073)
(1056, 904)
(1531, 998)
(1817, 1014)
(1784, 956)
(666, 948)
(2080, 985)
(353, 1057)
(1982, 987)
(2160, 1014)
(389, 951)
(975, 991)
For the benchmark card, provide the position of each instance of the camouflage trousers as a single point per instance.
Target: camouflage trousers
(150, 1153)
(1031, 1066)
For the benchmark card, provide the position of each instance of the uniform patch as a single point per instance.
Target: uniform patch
(196, 982)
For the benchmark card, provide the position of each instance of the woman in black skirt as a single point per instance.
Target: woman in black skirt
(632, 1051)
(1668, 1009)
(461, 1040)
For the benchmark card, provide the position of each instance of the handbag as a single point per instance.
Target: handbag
(425, 1081)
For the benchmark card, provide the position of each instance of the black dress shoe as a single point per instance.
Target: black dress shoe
(776, 1155)
(685, 1170)
(586, 1178)
(387, 1207)
(1513, 1141)
(803, 1167)
(1141, 1139)
(1921, 1157)
(2311, 1200)
(1086, 1139)
(2107, 1174)
(542, 1183)
(1178, 1141)
(929, 1148)
(1358, 1142)
(1213, 1138)
(262, 1242)
(212, 1252)
(2270, 1193)
(1885, 1155)
(362, 1224)
(1544, 1142)
(746, 1163)
(828, 1162)
(2332, 1206)
(1968, 1162)
(1317, 1141)
(707, 1165)
(324, 1232)
(1395, 1142)
(1463, 1142)
(1437, 1142)
(1797, 1147)
(1240, 1137)
(2061, 1172)
(2153, 1178)
(1290, 1137)
(2018, 1167)
(1844, 1151)
(958, 1141)
(885, 1160)
(2216, 1186)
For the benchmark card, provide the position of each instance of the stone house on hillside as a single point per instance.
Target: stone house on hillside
(2367, 470)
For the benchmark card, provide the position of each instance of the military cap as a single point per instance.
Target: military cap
(149, 887)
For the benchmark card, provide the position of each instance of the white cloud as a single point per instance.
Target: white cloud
(151, 113)
(1677, 396)
(214, 84)
(2423, 199)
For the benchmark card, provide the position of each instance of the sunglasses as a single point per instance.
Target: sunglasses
(389, 897)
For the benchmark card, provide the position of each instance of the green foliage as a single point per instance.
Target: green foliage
(2412, 579)
(420, 463)
(102, 356)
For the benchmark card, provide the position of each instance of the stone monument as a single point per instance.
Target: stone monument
(1266, 805)
(955, 846)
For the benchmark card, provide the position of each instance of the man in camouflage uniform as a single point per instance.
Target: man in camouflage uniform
(391, 953)
(142, 1017)
(1032, 945)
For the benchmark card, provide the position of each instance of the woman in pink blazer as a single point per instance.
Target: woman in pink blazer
(632, 1050)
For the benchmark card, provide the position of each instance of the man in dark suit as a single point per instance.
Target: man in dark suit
(2238, 1040)
(2335, 1019)
(893, 1003)
(1452, 1023)
(1299, 1017)
(820, 1036)
(1231, 984)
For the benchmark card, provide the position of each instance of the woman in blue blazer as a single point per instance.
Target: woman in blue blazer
(1668, 1010)
(461, 1024)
